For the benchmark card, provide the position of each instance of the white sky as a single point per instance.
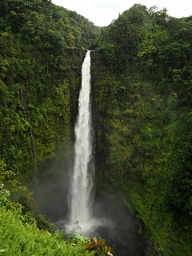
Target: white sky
(102, 12)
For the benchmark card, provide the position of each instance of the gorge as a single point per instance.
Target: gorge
(141, 116)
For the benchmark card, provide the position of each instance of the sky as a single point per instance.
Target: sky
(103, 12)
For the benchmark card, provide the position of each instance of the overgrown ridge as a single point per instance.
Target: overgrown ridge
(142, 91)
(142, 85)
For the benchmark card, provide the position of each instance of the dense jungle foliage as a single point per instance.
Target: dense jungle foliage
(41, 53)
(23, 235)
(142, 99)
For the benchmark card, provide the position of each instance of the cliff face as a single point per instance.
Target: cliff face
(141, 106)
(40, 61)
(141, 148)
(38, 110)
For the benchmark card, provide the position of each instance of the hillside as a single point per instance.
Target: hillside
(40, 62)
(42, 47)
(142, 114)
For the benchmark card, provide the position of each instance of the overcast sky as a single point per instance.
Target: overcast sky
(102, 12)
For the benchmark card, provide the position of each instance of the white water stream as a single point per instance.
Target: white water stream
(82, 184)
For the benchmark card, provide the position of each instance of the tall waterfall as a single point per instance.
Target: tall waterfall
(81, 184)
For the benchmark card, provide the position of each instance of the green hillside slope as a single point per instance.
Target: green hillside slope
(142, 84)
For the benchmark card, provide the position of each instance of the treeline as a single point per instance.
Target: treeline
(142, 85)
(45, 25)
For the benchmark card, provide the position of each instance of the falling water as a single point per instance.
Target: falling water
(81, 185)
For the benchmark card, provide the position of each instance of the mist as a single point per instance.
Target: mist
(114, 224)
(52, 191)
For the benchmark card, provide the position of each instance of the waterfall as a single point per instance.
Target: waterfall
(81, 183)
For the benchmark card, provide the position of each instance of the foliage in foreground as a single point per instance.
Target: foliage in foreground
(19, 235)
(20, 238)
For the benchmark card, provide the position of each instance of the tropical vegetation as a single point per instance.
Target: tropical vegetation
(142, 96)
